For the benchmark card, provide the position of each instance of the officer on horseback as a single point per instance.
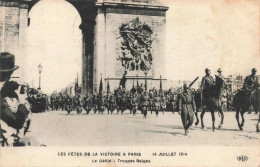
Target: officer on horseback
(222, 91)
(250, 85)
(207, 83)
(251, 81)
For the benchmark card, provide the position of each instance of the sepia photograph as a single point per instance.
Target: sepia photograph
(129, 83)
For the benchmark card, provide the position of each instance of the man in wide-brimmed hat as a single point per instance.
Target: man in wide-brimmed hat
(7, 66)
(8, 117)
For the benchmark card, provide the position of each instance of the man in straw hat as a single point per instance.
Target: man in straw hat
(11, 118)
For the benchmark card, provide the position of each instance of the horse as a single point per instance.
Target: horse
(212, 103)
(242, 104)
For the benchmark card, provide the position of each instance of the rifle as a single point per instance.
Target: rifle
(193, 81)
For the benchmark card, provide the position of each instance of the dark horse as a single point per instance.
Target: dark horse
(242, 103)
(211, 103)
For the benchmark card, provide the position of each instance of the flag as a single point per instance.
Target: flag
(160, 82)
(133, 83)
(100, 86)
(108, 86)
(137, 84)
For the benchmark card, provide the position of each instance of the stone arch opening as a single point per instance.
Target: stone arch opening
(55, 41)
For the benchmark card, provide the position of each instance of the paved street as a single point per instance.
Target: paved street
(55, 128)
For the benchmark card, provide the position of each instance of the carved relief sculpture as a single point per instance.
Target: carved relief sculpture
(136, 46)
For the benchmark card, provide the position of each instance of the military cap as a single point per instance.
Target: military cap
(207, 70)
(219, 70)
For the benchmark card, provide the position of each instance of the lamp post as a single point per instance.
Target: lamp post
(40, 71)
(145, 84)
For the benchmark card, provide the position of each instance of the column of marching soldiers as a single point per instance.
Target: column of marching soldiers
(118, 100)
(136, 99)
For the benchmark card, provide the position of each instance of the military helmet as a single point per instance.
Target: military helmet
(254, 70)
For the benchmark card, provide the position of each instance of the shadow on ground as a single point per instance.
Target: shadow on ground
(171, 133)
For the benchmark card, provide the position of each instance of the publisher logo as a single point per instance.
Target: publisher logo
(242, 158)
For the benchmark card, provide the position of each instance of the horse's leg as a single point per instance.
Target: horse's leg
(213, 120)
(257, 125)
(222, 118)
(197, 119)
(201, 117)
(237, 117)
(243, 120)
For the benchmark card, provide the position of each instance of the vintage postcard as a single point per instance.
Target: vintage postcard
(129, 83)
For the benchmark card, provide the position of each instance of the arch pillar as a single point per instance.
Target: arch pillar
(13, 32)
(87, 27)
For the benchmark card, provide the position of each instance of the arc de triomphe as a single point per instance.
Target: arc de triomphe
(101, 20)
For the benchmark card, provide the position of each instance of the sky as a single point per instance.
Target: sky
(55, 43)
(199, 34)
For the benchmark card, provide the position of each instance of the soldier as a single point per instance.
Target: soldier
(68, 104)
(163, 102)
(77, 103)
(56, 103)
(119, 96)
(156, 103)
(101, 103)
(95, 102)
(221, 97)
(111, 103)
(144, 103)
(135, 101)
(206, 84)
(187, 107)
(151, 101)
(124, 101)
(251, 81)
(220, 73)
(89, 102)
(250, 85)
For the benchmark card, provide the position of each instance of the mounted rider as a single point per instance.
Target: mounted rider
(222, 92)
(250, 85)
(207, 84)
